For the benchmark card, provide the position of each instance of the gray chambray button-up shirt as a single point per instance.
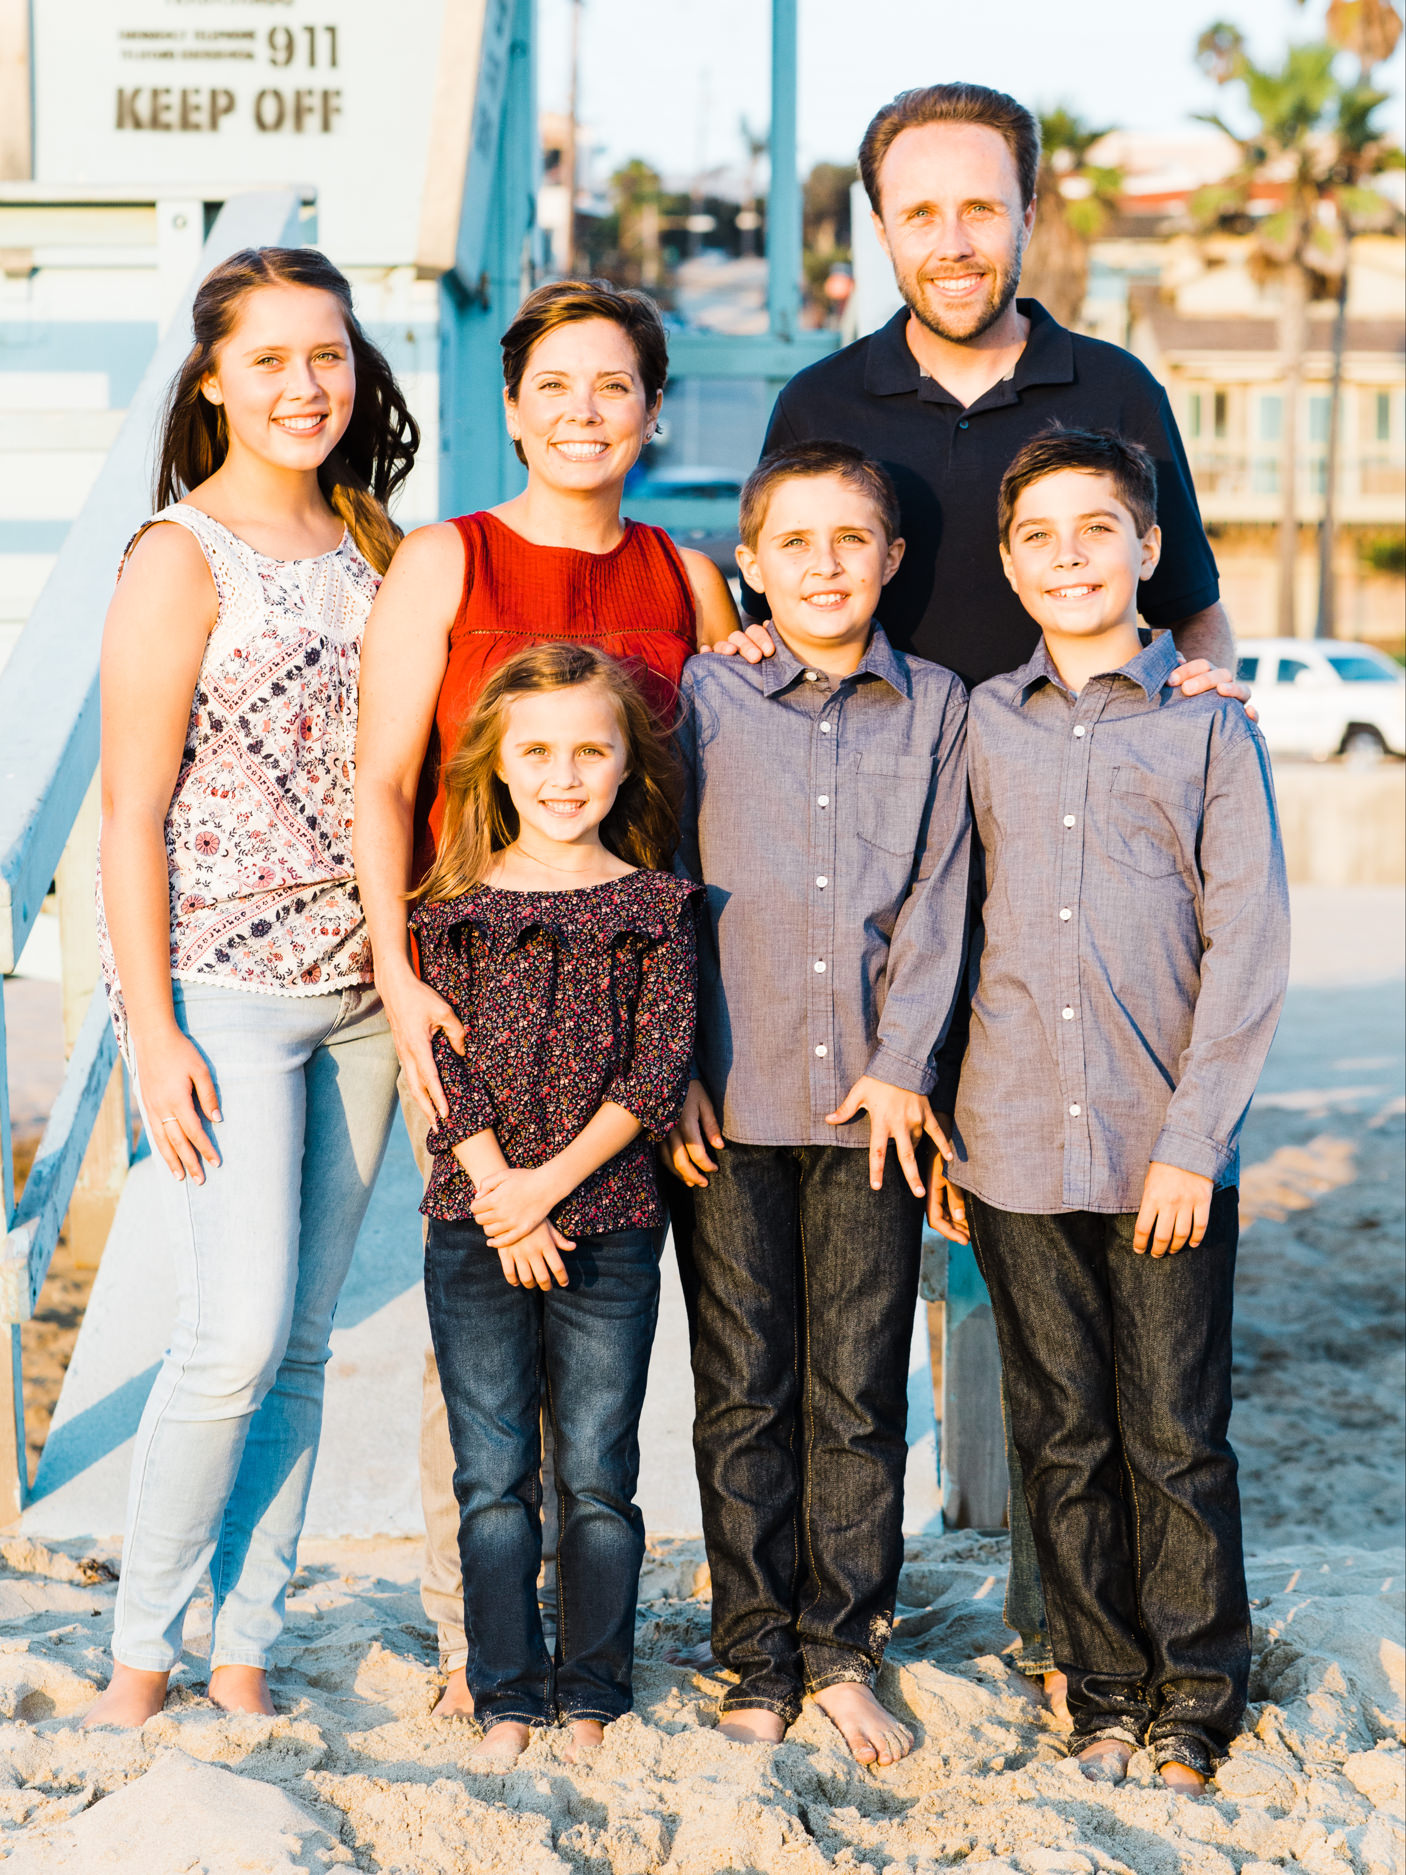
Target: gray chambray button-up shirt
(828, 820)
(1135, 938)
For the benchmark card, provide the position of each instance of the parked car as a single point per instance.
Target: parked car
(1321, 697)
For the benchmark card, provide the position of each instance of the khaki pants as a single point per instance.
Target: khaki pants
(441, 1586)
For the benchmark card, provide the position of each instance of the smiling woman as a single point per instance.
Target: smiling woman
(584, 368)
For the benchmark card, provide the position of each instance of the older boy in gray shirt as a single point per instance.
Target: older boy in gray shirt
(826, 814)
(1133, 959)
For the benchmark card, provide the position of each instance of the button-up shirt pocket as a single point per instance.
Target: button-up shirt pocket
(1153, 822)
(891, 800)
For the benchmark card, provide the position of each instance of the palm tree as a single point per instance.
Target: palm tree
(1371, 30)
(1076, 201)
(1289, 148)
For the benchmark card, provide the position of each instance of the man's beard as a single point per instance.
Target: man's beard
(961, 324)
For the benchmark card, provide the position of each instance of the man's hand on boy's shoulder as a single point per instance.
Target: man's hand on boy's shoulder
(894, 1114)
(696, 1129)
(752, 643)
(1199, 674)
(1175, 1210)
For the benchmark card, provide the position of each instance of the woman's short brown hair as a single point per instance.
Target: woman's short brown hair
(952, 104)
(567, 302)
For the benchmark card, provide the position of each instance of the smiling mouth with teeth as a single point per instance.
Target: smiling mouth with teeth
(302, 425)
(582, 452)
(1071, 592)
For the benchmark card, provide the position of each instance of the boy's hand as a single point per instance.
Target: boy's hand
(534, 1261)
(686, 1148)
(1198, 674)
(947, 1204)
(1175, 1210)
(752, 643)
(511, 1204)
(897, 1115)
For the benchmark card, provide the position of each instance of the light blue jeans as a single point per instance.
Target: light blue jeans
(225, 1450)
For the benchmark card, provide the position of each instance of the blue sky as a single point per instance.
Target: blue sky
(668, 79)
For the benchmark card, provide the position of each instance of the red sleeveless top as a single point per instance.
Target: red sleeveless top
(635, 603)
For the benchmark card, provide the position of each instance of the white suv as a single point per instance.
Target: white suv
(1321, 697)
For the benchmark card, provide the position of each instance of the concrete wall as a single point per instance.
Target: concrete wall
(1343, 825)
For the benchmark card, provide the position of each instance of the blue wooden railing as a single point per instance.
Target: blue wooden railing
(48, 823)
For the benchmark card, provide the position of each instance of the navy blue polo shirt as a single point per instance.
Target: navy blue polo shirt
(950, 600)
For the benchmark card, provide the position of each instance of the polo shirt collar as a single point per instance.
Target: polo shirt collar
(780, 672)
(1149, 670)
(890, 369)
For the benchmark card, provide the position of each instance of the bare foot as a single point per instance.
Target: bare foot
(456, 1701)
(501, 1743)
(699, 1656)
(1181, 1778)
(1105, 1761)
(587, 1735)
(872, 1733)
(241, 1689)
(132, 1697)
(1057, 1696)
(753, 1725)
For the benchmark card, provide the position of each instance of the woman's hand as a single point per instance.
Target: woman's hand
(535, 1261)
(178, 1095)
(510, 1205)
(415, 1013)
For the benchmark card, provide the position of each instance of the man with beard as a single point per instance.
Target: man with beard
(944, 396)
(965, 374)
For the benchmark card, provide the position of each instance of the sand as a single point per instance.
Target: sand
(354, 1774)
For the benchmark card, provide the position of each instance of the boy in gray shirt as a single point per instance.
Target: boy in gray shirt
(1133, 958)
(826, 814)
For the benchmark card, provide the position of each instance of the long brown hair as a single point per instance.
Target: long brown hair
(642, 827)
(370, 461)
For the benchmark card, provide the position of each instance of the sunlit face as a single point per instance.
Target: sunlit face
(1075, 558)
(822, 559)
(285, 376)
(953, 224)
(563, 757)
(581, 413)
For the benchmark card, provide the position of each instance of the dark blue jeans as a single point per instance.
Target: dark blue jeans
(802, 1284)
(584, 1351)
(1118, 1371)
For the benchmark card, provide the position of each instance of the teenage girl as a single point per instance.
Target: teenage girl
(568, 957)
(234, 948)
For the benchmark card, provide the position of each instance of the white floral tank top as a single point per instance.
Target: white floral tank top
(258, 834)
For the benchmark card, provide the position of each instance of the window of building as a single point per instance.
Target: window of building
(1221, 416)
(1319, 415)
(1382, 416)
(1271, 417)
(1193, 414)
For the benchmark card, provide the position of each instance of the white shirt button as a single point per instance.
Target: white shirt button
(811, 676)
(1079, 729)
(1068, 1014)
(825, 729)
(1065, 913)
(822, 800)
(819, 963)
(822, 880)
(1069, 820)
(1075, 1111)
(820, 1048)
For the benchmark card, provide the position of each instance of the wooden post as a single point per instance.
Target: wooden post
(975, 1486)
(105, 1163)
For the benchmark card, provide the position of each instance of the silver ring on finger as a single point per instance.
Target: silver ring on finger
(168, 1119)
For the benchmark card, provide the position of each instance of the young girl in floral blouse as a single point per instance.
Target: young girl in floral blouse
(568, 956)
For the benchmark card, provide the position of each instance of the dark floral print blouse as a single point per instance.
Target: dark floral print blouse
(568, 999)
